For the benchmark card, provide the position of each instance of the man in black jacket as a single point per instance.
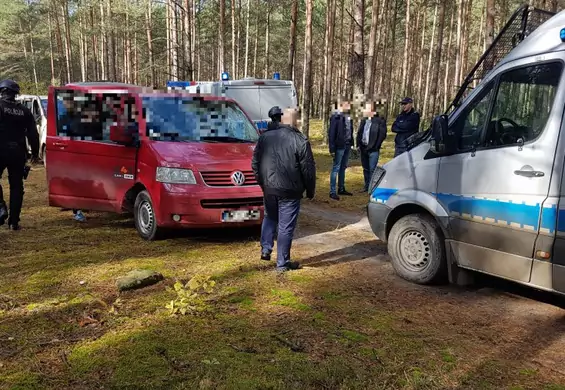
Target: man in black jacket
(340, 139)
(370, 137)
(284, 166)
(16, 124)
(405, 125)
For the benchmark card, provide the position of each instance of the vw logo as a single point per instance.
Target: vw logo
(238, 178)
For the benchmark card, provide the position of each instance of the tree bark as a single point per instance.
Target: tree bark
(428, 73)
(222, 35)
(233, 49)
(238, 58)
(51, 55)
(307, 76)
(148, 27)
(67, 42)
(358, 55)
(82, 51)
(246, 68)
(446, 92)
(370, 69)
(328, 66)
(406, 47)
(292, 47)
(256, 41)
(457, 56)
(267, 41)
(187, 39)
(438, 54)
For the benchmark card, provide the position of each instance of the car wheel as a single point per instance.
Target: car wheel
(145, 218)
(416, 246)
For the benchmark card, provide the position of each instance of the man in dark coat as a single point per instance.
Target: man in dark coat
(370, 137)
(405, 125)
(340, 139)
(284, 166)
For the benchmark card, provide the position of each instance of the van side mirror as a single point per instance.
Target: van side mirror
(442, 140)
(121, 135)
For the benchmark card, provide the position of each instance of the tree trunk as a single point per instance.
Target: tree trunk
(51, 55)
(328, 66)
(307, 76)
(267, 42)
(406, 47)
(383, 49)
(341, 74)
(246, 67)
(82, 51)
(358, 55)
(103, 45)
(428, 73)
(292, 48)
(238, 58)
(233, 49)
(187, 40)
(438, 53)
(389, 74)
(67, 42)
(489, 25)
(446, 91)
(94, 41)
(370, 69)
(457, 56)
(256, 41)
(169, 40)
(222, 34)
(148, 27)
(33, 60)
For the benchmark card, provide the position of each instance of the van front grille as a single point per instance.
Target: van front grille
(231, 203)
(224, 178)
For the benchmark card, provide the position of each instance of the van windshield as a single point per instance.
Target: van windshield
(188, 119)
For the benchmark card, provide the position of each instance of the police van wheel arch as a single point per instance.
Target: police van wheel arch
(416, 246)
(145, 217)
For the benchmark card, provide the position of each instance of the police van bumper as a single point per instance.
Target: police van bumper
(377, 214)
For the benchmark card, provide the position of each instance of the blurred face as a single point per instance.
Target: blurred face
(368, 111)
(290, 117)
(345, 107)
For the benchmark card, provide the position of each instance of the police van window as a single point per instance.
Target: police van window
(470, 124)
(79, 116)
(523, 104)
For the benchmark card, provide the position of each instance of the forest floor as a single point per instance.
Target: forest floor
(344, 321)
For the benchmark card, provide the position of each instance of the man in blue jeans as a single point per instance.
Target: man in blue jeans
(340, 139)
(370, 137)
(284, 166)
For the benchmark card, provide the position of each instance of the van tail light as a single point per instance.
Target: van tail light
(259, 83)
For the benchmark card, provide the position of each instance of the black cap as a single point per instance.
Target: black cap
(275, 111)
(407, 100)
(10, 85)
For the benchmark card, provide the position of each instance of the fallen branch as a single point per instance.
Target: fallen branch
(294, 347)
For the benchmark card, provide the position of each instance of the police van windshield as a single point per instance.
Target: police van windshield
(187, 119)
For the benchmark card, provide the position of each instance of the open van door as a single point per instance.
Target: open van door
(89, 168)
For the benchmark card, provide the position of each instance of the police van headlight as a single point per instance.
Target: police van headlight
(175, 176)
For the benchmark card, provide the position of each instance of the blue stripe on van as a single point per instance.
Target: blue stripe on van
(514, 214)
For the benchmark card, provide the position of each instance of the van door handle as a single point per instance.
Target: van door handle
(528, 171)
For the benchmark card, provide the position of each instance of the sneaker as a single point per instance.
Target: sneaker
(266, 255)
(345, 193)
(15, 227)
(79, 217)
(3, 214)
(334, 197)
(290, 266)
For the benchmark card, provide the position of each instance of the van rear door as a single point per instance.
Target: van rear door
(247, 96)
(282, 95)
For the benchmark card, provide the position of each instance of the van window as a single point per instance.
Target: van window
(470, 124)
(174, 118)
(523, 104)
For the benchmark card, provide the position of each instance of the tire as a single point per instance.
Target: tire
(416, 246)
(144, 217)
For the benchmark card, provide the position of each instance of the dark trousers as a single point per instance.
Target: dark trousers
(282, 215)
(369, 161)
(15, 164)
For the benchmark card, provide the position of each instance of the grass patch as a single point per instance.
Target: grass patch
(288, 299)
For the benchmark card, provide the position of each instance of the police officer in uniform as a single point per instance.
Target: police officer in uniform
(275, 113)
(16, 123)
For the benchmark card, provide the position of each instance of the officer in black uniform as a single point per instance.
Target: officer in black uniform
(275, 113)
(16, 123)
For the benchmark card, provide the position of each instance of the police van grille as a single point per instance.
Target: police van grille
(223, 178)
(231, 203)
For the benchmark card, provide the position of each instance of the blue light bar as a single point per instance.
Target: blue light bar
(178, 84)
(225, 76)
(277, 76)
(562, 35)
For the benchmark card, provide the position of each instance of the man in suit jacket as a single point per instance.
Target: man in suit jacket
(340, 139)
(370, 137)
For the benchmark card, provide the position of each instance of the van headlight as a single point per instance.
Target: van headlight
(175, 176)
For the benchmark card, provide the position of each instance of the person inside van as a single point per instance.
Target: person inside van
(370, 137)
(340, 139)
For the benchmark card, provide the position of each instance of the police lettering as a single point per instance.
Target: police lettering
(13, 111)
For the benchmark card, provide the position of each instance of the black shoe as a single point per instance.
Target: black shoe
(266, 255)
(15, 227)
(290, 266)
(344, 193)
(334, 196)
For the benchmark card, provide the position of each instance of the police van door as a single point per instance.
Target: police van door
(496, 186)
(247, 97)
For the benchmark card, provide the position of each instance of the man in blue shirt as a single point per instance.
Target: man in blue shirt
(340, 139)
(405, 125)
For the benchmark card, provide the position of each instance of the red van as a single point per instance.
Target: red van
(173, 160)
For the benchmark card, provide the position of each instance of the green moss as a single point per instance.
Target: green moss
(288, 299)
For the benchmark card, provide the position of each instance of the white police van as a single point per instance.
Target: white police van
(255, 96)
(484, 188)
(38, 107)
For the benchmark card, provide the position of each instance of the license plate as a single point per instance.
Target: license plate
(240, 215)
